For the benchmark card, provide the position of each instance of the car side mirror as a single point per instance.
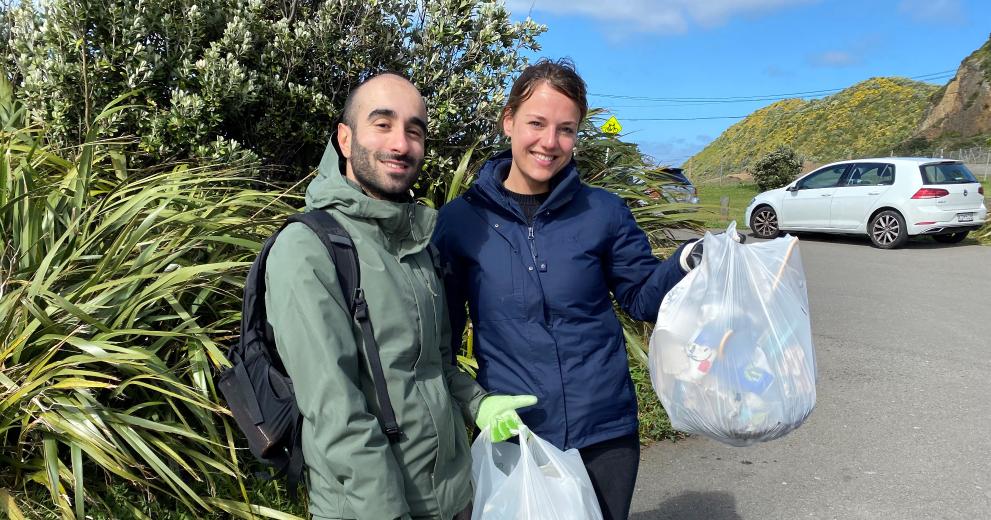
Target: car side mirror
(793, 187)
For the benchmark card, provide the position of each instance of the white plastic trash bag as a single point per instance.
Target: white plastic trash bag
(731, 355)
(532, 480)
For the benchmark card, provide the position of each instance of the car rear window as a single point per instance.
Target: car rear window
(946, 173)
(672, 176)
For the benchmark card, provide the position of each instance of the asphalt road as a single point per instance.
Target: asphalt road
(902, 424)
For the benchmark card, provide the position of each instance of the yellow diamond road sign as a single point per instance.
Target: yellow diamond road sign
(612, 126)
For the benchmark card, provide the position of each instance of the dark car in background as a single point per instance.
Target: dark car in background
(675, 187)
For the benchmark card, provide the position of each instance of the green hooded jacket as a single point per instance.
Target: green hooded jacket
(353, 471)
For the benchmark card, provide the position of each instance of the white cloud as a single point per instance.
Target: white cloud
(833, 59)
(933, 10)
(847, 55)
(775, 71)
(654, 15)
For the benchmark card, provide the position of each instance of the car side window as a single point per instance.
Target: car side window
(825, 178)
(887, 175)
(869, 174)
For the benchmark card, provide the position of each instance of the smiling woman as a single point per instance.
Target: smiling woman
(541, 120)
(537, 255)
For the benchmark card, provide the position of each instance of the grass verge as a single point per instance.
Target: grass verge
(654, 423)
(711, 211)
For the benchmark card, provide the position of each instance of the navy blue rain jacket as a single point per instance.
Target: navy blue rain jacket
(539, 299)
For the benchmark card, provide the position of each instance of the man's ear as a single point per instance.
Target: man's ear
(344, 139)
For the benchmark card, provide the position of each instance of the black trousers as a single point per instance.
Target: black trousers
(612, 466)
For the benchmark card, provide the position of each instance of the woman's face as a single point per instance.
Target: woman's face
(543, 130)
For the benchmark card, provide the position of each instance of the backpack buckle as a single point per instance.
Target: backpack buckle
(394, 433)
(360, 305)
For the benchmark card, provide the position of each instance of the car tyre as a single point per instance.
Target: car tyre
(951, 238)
(887, 230)
(764, 223)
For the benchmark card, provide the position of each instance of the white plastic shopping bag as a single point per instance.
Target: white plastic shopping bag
(731, 355)
(532, 480)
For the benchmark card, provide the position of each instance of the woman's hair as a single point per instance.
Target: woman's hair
(560, 75)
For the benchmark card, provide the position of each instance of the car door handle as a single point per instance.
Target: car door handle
(874, 193)
(826, 195)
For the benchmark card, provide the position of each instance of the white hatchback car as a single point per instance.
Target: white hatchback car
(887, 199)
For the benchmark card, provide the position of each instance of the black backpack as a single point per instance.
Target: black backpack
(256, 386)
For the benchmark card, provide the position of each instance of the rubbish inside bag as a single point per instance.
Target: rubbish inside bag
(731, 355)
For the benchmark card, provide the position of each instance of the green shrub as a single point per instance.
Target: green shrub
(222, 79)
(776, 168)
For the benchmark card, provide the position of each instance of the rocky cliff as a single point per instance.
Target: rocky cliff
(964, 109)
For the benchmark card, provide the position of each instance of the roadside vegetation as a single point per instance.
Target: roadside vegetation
(776, 169)
(984, 234)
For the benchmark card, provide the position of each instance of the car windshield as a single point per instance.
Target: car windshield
(946, 173)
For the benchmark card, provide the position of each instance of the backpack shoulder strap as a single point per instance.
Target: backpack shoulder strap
(339, 245)
(342, 251)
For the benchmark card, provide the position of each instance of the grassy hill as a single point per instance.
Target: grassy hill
(869, 118)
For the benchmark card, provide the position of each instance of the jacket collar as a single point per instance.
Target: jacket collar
(489, 186)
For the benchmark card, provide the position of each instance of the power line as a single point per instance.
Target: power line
(718, 102)
(702, 118)
(679, 118)
(765, 97)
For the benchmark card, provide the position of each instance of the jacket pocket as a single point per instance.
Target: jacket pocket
(439, 413)
(496, 291)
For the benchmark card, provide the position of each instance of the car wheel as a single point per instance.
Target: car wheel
(764, 222)
(887, 230)
(951, 238)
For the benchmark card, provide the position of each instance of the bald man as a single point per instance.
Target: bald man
(353, 470)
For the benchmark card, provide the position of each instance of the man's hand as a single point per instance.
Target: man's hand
(498, 413)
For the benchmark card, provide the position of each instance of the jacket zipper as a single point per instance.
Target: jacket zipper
(533, 246)
(412, 230)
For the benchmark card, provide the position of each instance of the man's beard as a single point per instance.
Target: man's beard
(377, 183)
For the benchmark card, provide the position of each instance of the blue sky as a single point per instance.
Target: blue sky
(681, 62)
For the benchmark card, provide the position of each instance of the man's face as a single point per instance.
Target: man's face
(384, 149)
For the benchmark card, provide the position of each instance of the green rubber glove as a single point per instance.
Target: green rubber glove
(498, 413)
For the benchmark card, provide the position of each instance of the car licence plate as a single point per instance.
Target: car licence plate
(965, 217)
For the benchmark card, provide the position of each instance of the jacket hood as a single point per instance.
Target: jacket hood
(398, 220)
(489, 185)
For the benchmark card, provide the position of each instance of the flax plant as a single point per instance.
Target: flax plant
(119, 291)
